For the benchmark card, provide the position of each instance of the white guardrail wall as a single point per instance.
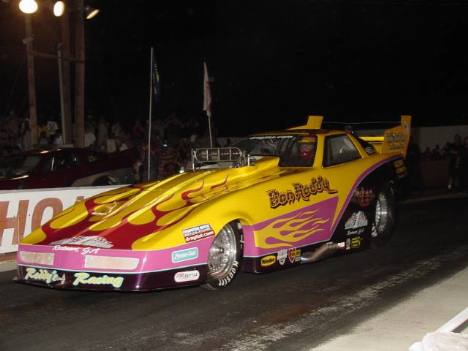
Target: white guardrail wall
(24, 210)
(446, 338)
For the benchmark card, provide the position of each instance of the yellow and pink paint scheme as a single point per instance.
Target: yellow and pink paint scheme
(158, 234)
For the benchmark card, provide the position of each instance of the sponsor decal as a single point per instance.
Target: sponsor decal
(95, 241)
(356, 242)
(66, 248)
(185, 255)
(396, 141)
(400, 168)
(358, 231)
(44, 275)
(401, 171)
(83, 251)
(357, 220)
(294, 255)
(268, 261)
(363, 197)
(186, 276)
(281, 256)
(197, 233)
(86, 278)
(301, 192)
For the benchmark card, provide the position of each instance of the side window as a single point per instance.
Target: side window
(339, 149)
(93, 157)
(64, 160)
(58, 162)
(300, 152)
(368, 147)
(47, 165)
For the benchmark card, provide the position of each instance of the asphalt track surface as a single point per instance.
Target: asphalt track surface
(294, 309)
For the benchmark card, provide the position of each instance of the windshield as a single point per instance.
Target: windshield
(265, 145)
(293, 150)
(18, 165)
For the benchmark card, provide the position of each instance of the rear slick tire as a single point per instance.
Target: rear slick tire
(224, 257)
(384, 217)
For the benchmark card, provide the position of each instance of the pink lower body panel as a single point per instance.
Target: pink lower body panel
(91, 268)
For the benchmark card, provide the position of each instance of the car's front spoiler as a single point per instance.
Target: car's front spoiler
(89, 268)
(61, 279)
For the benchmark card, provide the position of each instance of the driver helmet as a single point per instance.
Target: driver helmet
(307, 147)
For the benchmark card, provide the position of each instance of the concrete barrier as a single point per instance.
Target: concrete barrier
(434, 174)
(446, 338)
(21, 211)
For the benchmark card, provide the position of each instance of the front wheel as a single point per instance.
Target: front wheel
(224, 257)
(384, 217)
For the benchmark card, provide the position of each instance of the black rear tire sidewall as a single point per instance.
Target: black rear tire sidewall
(384, 236)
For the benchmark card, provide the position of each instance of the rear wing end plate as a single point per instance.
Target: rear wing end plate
(394, 140)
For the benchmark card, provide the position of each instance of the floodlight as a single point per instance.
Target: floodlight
(28, 6)
(90, 12)
(59, 8)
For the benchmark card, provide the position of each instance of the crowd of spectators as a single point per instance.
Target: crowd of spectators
(13, 133)
(455, 153)
(440, 153)
(171, 137)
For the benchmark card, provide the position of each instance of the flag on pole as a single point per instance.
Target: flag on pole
(207, 100)
(156, 83)
(206, 91)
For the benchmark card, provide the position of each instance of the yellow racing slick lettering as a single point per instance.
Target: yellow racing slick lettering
(86, 278)
(301, 191)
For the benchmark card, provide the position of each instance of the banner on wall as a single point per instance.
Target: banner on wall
(21, 211)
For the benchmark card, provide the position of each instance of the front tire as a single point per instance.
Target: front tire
(224, 257)
(384, 217)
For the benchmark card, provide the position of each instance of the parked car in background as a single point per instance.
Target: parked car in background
(63, 167)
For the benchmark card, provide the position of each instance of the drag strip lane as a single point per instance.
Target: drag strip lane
(289, 310)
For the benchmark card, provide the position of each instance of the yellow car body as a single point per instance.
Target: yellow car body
(272, 212)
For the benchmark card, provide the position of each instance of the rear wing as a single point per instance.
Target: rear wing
(394, 140)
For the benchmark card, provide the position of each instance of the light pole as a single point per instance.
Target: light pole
(28, 7)
(79, 73)
(28, 41)
(65, 81)
(63, 62)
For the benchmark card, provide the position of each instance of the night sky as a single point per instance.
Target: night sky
(272, 62)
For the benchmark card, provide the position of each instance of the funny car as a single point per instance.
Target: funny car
(275, 200)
